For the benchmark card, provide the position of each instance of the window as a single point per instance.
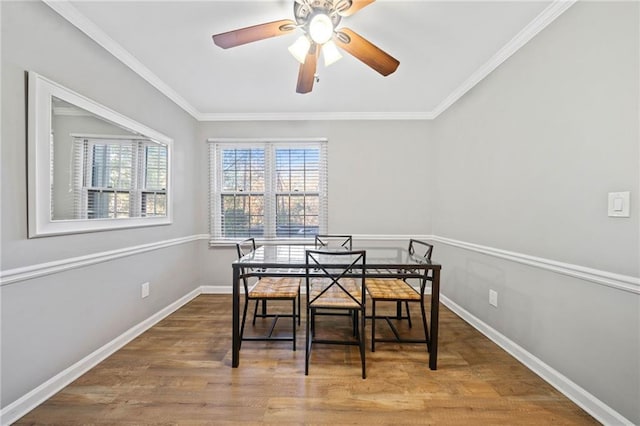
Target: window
(119, 178)
(267, 189)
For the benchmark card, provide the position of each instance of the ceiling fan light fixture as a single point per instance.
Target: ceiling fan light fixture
(330, 53)
(300, 48)
(321, 28)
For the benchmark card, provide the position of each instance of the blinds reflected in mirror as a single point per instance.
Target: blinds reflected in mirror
(118, 177)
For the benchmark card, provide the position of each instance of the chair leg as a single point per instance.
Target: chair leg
(307, 345)
(362, 345)
(424, 324)
(354, 322)
(373, 325)
(294, 323)
(299, 306)
(255, 312)
(406, 304)
(244, 317)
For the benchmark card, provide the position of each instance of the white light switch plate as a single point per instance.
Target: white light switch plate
(618, 205)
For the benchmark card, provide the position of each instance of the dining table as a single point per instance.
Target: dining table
(289, 260)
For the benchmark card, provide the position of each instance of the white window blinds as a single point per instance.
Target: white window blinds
(267, 190)
(116, 178)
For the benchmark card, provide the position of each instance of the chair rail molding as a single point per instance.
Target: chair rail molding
(609, 279)
(618, 281)
(15, 275)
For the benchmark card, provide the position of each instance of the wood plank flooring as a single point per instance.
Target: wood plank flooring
(179, 372)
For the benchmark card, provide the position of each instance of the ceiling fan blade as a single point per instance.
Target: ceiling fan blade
(356, 5)
(307, 73)
(250, 34)
(366, 51)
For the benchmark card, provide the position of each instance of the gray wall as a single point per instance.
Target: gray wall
(50, 323)
(522, 163)
(380, 175)
(525, 162)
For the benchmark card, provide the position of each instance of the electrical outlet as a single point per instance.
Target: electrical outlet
(145, 290)
(493, 298)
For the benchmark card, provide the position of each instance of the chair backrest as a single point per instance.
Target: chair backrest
(424, 250)
(420, 249)
(245, 246)
(338, 272)
(333, 241)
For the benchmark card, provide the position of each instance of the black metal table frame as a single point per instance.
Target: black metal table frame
(374, 269)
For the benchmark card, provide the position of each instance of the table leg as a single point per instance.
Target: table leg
(435, 311)
(235, 348)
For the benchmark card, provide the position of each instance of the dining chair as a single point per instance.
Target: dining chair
(333, 240)
(335, 281)
(400, 291)
(268, 288)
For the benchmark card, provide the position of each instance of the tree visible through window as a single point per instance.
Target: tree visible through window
(268, 190)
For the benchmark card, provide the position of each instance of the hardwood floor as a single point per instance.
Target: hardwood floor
(179, 372)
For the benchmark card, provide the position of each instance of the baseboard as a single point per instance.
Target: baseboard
(216, 289)
(37, 396)
(592, 405)
(598, 409)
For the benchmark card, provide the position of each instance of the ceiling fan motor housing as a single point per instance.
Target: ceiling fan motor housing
(306, 10)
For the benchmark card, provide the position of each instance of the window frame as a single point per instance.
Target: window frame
(83, 176)
(216, 145)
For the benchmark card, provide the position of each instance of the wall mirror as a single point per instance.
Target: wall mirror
(91, 168)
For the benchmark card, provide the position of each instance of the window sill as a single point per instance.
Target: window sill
(262, 242)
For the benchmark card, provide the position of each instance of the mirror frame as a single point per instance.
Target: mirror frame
(40, 223)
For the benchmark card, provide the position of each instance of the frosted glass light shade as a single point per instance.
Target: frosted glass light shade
(330, 53)
(300, 48)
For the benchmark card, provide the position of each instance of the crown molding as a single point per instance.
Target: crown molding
(297, 116)
(540, 22)
(84, 24)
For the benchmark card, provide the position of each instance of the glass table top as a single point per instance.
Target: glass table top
(294, 256)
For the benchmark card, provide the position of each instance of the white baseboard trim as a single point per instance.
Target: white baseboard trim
(37, 396)
(216, 289)
(11, 276)
(592, 405)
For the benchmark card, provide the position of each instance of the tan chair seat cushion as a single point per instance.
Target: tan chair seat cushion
(275, 288)
(390, 289)
(335, 297)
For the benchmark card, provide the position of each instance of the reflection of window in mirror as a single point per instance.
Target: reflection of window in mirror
(118, 177)
(103, 171)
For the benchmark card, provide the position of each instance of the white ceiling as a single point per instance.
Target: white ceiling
(444, 48)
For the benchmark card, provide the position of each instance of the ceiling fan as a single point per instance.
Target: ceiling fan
(318, 19)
